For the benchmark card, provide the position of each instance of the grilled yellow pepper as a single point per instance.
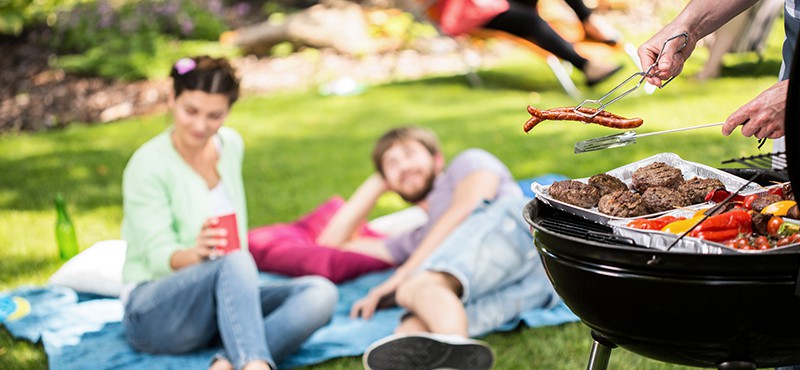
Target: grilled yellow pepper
(778, 208)
(680, 227)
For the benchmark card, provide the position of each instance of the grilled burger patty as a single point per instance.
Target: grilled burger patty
(606, 183)
(764, 200)
(656, 174)
(574, 192)
(696, 189)
(659, 198)
(622, 203)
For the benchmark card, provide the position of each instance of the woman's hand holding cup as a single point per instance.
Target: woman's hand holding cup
(211, 239)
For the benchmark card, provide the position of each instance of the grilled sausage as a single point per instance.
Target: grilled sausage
(603, 118)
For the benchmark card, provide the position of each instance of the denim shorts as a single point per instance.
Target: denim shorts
(492, 254)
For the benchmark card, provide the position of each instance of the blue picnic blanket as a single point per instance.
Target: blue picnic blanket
(81, 331)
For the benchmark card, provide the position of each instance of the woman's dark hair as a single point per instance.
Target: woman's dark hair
(212, 75)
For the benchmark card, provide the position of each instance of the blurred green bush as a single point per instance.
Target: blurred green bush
(134, 40)
(12, 17)
(17, 15)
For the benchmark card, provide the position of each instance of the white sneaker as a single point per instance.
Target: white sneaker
(426, 351)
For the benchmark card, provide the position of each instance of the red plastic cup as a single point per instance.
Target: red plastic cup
(228, 222)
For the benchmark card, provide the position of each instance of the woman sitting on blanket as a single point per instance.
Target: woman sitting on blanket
(183, 291)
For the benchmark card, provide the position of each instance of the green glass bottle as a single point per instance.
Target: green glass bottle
(65, 231)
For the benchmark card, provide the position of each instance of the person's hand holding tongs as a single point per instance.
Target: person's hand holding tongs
(661, 65)
(663, 60)
(760, 117)
(667, 62)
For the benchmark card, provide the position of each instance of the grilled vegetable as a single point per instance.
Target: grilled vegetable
(780, 208)
(724, 226)
(681, 226)
(653, 224)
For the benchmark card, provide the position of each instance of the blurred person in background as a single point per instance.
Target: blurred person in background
(521, 18)
(181, 294)
(470, 268)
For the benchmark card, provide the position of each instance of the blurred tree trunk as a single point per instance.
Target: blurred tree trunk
(333, 24)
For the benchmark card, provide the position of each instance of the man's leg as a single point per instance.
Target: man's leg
(411, 324)
(435, 298)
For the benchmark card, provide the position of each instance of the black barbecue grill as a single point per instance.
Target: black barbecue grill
(725, 311)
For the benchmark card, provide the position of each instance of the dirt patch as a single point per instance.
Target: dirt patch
(34, 96)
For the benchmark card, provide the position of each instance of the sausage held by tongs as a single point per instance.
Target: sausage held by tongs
(591, 115)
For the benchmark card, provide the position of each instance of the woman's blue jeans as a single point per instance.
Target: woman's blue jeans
(223, 299)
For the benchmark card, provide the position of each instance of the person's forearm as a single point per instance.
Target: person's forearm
(468, 194)
(184, 257)
(701, 17)
(441, 230)
(347, 219)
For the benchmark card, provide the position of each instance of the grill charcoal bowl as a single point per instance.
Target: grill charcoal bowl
(683, 308)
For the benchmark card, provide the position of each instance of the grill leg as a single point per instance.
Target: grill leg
(737, 365)
(601, 353)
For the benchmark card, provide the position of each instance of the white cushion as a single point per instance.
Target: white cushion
(98, 269)
(399, 222)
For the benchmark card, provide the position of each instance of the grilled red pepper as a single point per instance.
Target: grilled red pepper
(778, 190)
(719, 195)
(654, 224)
(718, 236)
(724, 226)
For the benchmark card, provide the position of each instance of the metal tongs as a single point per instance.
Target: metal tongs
(627, 138)
(601, 106)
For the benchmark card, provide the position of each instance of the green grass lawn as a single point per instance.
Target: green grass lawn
(302, 148)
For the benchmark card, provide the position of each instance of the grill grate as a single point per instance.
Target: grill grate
(770, 165)
(775, 163)
(566, 224)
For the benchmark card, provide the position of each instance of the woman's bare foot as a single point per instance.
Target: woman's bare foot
(257, 365)
(221, 364)
(597, 29)
(596, 72)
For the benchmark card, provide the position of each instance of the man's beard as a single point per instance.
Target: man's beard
(422, 193)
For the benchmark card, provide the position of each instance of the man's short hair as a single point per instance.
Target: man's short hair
(421, 135)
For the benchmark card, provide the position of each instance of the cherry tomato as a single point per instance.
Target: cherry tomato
(742, 243)
(761, 242)
(748, 201)
(783, 241)
(774, 224)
